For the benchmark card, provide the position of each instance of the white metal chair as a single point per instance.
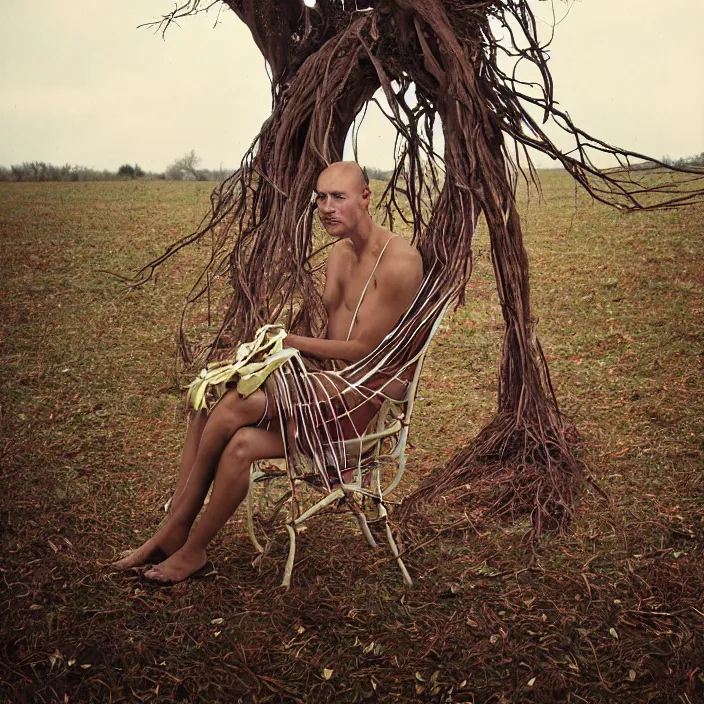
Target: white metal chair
(380, 456)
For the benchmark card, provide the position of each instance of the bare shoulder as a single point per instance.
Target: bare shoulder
(402, 259)
(401, 269)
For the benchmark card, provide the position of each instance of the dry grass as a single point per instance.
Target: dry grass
(92, 421)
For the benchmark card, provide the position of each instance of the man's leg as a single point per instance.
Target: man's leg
(229, 489)
(196, 424)
(232, 413)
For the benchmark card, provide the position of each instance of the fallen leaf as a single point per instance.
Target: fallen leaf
(54, 658)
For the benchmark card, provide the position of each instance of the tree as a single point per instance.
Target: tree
(129, 171)
(326, 63)
(186, 168)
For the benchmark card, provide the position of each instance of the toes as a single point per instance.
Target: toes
(174, 572)
(156, 576)
(139, 558)
(124, 564)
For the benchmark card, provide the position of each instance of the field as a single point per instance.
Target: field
(92, 418)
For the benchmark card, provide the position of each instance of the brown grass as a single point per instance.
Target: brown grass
(92, 421)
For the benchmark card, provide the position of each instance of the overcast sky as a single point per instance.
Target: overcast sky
(80, 84)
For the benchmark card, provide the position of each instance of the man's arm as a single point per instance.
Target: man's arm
(399, 281)
(348, 350)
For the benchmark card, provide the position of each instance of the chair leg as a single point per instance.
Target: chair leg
(392, 544)
(288, 570)
(361, 521)
(250, 520)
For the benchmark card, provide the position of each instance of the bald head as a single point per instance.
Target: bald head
(348, 172)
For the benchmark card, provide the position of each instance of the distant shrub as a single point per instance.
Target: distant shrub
(186, 169)
(377, 174)
(129, 171)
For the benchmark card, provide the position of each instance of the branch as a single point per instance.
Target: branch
(190, 8)
(277, 26)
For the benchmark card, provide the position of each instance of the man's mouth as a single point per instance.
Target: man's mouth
(330, 221)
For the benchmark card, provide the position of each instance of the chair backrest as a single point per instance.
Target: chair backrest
(399, 426)
(411, 400)
(413, 386)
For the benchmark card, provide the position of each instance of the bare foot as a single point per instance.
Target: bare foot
(167, 541)
(181, 565)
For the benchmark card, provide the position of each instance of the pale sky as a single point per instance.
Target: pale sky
(80, 84)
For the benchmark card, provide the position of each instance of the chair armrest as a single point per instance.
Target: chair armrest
(394, 428)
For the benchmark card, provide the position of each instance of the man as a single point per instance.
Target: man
(372, 276)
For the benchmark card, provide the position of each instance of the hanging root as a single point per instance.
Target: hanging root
(511, 470)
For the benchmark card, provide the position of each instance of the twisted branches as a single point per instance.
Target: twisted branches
(436, 61)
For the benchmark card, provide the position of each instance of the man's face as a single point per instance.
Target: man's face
(342, 199)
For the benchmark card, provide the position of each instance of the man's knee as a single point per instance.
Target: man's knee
(242, 448)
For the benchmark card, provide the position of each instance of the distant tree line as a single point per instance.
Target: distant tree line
(183, 169)
(41, 171)
(186, 168)
(696, 160)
